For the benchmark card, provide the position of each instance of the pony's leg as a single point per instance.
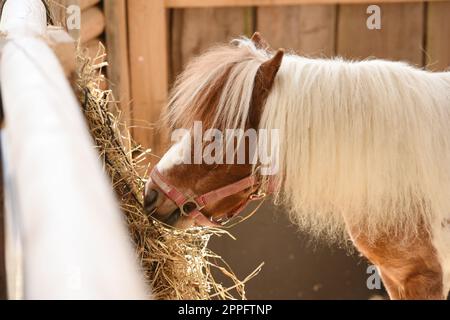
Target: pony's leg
(409, 269)
(426, 284)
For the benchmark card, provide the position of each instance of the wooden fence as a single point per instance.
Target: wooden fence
(65, 234)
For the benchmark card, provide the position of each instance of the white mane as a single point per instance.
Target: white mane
(363, 142)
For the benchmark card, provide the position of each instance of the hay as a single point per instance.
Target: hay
(177, 264)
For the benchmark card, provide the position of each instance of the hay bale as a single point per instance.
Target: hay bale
(177, 263)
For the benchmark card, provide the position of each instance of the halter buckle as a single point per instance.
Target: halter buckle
(189, 206)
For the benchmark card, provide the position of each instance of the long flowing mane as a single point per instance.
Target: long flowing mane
(216, 87)
(365, 143)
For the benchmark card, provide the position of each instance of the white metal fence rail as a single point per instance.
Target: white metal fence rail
(65, 234)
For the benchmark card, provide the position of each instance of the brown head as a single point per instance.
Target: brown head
(225, 88)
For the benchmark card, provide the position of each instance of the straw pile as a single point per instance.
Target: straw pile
(177, 264)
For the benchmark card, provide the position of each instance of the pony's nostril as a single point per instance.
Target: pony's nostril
(150, 200)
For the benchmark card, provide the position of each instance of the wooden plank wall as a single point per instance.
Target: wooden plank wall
(413, 32)
(400, 37)
(117, 49)
(308, 30)
(190, 36)
(147, 31)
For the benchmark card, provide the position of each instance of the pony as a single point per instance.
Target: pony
(363, 154)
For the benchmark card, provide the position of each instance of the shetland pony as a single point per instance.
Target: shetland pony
(364, 153)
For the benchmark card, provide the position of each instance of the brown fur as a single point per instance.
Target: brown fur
(410, 268)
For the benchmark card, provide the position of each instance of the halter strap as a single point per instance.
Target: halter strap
(226, 191)
(183, 201)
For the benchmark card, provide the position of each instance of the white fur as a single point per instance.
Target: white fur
(175, 155)
(367, 142)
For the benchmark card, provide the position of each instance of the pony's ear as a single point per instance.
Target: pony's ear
(260, 42)
(264, 80)
(269, 69)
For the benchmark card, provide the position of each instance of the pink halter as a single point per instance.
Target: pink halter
(191, 206)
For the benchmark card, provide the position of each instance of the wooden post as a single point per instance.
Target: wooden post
(149, 71)
(117, 49)
(245, 3)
